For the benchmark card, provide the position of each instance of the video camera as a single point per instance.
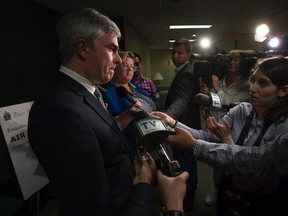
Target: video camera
(207, 65)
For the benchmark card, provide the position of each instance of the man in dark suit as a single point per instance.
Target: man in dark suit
(181, 106)
(76, 140)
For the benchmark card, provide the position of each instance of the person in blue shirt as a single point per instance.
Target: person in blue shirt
(120, 107)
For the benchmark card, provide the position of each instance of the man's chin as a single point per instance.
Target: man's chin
(108, 77)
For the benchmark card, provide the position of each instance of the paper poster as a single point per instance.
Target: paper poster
(14, 123)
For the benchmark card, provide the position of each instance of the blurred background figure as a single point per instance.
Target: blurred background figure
(143, 82)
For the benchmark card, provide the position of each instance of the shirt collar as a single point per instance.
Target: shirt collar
(82, 80)
(257, 123)
(180, 67)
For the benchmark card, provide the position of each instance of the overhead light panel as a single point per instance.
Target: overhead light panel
(172, 41)
(189, 26)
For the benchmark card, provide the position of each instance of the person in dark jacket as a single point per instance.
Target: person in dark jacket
(76, 139)
(180, 105)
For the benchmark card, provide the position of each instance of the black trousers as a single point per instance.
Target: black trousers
(236, 202)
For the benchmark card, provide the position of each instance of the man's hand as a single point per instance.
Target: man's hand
(215, 83)
(165, 118)
(145, 168)
(204, 88)
(182, 140)
(173, 190)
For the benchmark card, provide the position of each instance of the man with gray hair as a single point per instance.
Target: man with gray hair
(77, 141)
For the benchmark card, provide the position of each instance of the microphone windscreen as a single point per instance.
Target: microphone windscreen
(203, 100)
(142, 115)
(123, 93)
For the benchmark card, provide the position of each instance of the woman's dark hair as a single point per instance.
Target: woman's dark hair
(246, 66)
(276, 69)
(138, 62)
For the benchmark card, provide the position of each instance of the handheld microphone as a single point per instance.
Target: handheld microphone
(151, 133)
(151, 129)
(203, 100)
(212, 101)
(123, 93)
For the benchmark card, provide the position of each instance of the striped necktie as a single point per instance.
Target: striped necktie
(98, 95)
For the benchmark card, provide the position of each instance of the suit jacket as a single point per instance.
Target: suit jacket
(84, 153)
(180, 105)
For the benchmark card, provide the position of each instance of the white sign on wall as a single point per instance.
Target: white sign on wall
(14, 123)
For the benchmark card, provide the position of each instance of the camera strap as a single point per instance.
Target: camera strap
(246, 128)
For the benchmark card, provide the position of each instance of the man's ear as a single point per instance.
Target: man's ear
(283, 91)
(82, 49)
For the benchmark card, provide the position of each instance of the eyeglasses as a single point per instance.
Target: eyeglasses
(127, 66)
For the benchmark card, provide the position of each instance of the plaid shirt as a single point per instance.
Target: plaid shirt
(148, 86)
(268, 159)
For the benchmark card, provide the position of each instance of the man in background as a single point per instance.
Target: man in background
(181, 106)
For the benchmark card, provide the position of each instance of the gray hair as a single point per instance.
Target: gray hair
(86, 23)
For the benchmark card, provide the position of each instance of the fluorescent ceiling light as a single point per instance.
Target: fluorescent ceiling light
(172, 41)
(189, 26)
